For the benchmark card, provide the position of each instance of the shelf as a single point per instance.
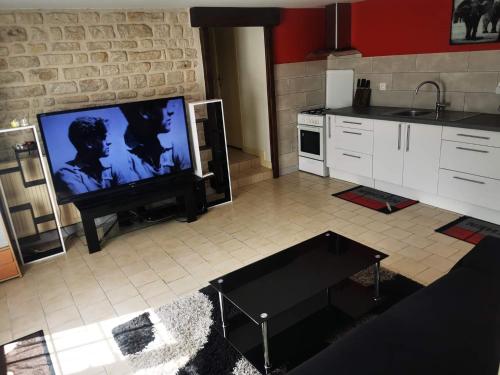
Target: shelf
(40, 246)
(41, 181)
(10, 170)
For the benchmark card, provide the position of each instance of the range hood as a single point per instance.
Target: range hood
(338, 31)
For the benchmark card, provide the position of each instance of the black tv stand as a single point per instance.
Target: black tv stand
(182, 187)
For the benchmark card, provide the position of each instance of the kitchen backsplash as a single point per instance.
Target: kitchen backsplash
(468, 79)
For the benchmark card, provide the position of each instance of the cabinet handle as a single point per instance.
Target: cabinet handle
(408, 128)
(351, 133)
(472, 136)
(352, 156)
(353, 123)
(329, 127)
(468, 180)
(399, 137)
(472, 149)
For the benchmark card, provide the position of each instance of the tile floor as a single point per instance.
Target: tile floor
(78, 298)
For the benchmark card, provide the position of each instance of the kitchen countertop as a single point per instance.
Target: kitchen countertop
(478, 121)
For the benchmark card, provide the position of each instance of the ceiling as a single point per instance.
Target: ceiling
(160, 4)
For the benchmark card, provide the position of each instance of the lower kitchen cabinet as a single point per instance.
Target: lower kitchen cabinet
(388, 152)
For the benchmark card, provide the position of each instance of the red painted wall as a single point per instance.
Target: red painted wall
(398, 27)
(301, 32)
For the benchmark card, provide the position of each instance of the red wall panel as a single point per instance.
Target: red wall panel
(398, 27)
(301, 32)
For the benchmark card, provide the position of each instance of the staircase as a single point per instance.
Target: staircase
(246, 169)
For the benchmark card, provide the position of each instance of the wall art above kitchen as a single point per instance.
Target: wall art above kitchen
(475, 21)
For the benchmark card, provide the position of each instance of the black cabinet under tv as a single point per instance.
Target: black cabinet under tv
(182, 187)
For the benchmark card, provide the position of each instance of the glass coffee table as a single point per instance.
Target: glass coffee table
(283, 291)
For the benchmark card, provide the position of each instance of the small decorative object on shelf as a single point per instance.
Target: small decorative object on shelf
(24, 122)
(14, 124)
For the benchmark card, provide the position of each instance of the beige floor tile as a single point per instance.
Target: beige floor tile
(97, 312)
(414, 253)
(60, 318)
(439, 263)
(122, 293)
(173, 273)
(153, 289)
(143, 278)
(429, 276)
(442, 249)
(161, 299)
(89, 297)
(409, 267)
(184, 285)
(131, 305)
(396, 233)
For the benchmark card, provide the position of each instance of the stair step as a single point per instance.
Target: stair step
(251, 176)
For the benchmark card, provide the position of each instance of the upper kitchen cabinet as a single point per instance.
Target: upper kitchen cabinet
(388, 151)
(421, 157)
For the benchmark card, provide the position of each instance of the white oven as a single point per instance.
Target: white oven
(311, 142)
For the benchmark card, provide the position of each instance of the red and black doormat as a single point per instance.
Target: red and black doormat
(470, 230)
(375, 199)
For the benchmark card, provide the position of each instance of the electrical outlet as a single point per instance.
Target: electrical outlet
(498, 89)
(383, 86)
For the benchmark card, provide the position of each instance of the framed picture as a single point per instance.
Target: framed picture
(475, 21)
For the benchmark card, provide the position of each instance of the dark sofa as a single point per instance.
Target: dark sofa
(450, 327)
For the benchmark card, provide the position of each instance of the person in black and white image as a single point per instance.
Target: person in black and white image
(87, 172)
(148, 155)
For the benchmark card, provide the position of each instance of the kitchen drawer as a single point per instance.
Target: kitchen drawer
(354, 122)
(477, 137)
(353, 162)
(353, 139)
(6, 256)
(474, 159)
(476, 190)
(8, 271)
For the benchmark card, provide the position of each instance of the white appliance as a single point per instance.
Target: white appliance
(312, 123)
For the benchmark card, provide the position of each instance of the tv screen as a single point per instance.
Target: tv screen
(96, 149)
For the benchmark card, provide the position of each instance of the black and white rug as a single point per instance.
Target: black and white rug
(184, 338)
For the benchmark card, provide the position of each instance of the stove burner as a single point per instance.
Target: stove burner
(315, 112)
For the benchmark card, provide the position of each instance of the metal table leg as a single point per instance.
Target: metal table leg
(221, 305)
(376, 297)
(265, 340)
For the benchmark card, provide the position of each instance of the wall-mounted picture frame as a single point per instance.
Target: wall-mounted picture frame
(475, 21)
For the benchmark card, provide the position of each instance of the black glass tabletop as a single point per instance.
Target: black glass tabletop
(281, 281)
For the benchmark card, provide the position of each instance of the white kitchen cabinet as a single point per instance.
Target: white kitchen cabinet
(388, 152)
(330, 140)
(422, 151)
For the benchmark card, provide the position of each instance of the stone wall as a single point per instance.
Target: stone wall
(299, 86)
(468, 79)
(67, 59)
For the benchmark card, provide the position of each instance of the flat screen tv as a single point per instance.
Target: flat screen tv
(96, 150)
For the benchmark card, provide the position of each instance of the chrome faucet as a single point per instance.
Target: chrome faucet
(439, 105)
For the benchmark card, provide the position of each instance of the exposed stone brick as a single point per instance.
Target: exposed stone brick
(145, 16)
(62, 88)
(160, 43)
(148, 93)
(95, 46)
(21, 92)
(128, 94)
(81, 72)
(175, 77)
(171, 17)
(38, 34)
(61, 17)
(66, 46)
(31, 18)
(57, 59)
(187, 32)
(11, 77)
(74, 32)
(72, 99)
(190, 53)
(113, 17)
(16, 105)
(190, 76)
(81, 58)
(4, 51)
(110, 70)
(36, 48)
(183, 17)
(100, 97)
(88, 17)
(118, 56)
(162, 31)
(138, 81)
(17, 49)
(134, 31)
(176, 32)
(127, 44)
(167, 90)
(3, 64)
(102, 32)
(175, 53)
(99, 57)
(172, 43)
(24, 62)
(146, 43)
(119, 83)
(144, 56)
(183, 64)
(48, 102)
(141, 67)
(183, 43)
(87, 85)
(55, 33)
(10, 34)
(156, 79)
(7, 18)
(42, 75)
(162, 66)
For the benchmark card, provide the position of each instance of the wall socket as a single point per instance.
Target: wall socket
(498, 89)
(383, 86)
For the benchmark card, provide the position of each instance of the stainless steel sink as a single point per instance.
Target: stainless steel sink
(412, 113)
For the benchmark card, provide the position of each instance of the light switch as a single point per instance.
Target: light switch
(382, 86)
